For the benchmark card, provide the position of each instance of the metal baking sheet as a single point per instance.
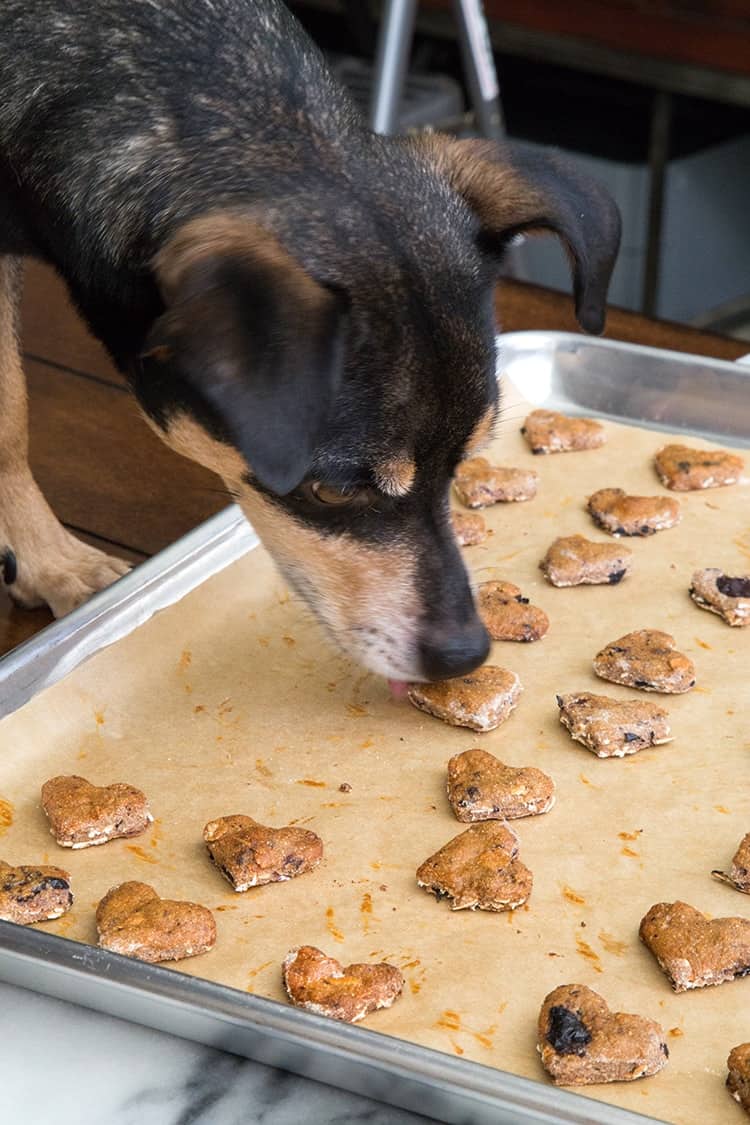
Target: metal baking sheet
(563, 371)
(647, 387)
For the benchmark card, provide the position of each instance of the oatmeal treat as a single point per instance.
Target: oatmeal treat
(576, 561)
(507, 615)
(721, 594)
(478, 870)
(481, 701)
(248, 854)
(646, 659)
(581, 1041)
(739, 876)
(33, 894)
(82, 815)
(619, 514)
(478, 483)
(322, 985)
(470, 528)
(738, 1078)
(695, 951)
(684, 469)
(613, 728)
(481, 787)
(134, 921)
(549, 432)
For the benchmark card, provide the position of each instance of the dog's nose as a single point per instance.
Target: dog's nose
(447, 654)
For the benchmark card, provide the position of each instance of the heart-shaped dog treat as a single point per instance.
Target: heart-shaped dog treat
(718, 592)
(134, 921)
(683, 469)
(479, 869)
(546, 431)
(575, 561)
(481, 701)
(739, 876)
(33, 894)
(646, 659)
(738, 1078)
(612, 728)
(619, 514)
(507, 615)
(479, 484)
(248, 854)
(582, 1042)
(322, 985)
(481, 787)
(695, 951)
(469, 527)
(81, 814)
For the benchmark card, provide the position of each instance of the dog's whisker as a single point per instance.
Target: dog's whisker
(511, 417)
(202, 489)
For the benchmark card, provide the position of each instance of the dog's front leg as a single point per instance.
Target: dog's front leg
(41, 562)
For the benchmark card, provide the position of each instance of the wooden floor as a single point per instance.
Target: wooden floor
(111, 480)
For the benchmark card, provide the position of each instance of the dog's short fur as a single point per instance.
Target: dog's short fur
(301, 306)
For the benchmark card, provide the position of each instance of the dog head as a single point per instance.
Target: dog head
(333, 359)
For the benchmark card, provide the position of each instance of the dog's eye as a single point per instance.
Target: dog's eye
(316, 494)
(327, 494)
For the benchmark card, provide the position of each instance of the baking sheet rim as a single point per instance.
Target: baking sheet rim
(485, 1091)
(115, 612)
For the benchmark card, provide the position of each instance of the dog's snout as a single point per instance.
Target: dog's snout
(446, 654)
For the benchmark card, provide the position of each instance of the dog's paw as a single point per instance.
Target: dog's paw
(62, 573)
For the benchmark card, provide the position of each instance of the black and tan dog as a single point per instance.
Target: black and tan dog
(299, 305)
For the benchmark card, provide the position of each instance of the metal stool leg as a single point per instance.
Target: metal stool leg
(391, 63)
(484, 88)
(479, 66)
(658, 157)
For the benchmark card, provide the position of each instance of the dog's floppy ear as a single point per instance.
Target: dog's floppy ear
(259, 340)
(513, 191)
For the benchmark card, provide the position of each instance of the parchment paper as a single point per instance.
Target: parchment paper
(232, 701)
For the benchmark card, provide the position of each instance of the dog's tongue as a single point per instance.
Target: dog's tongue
(398, 688)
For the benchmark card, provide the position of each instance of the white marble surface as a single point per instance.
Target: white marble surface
(64, 1065)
